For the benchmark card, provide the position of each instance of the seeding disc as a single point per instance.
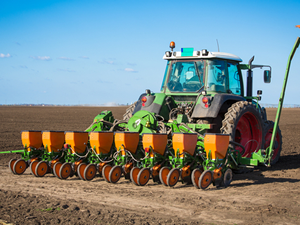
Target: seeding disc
(155, 174)
(11, 165)
(195, 177)
(41, 169)
(80, 170)
(19, 167)
(186, 175)
(163, 174)
(90, 172)
(100, 167)
(115, 174)
(105, 172)
(134, 172)
(65, 170)
(56, 169)
(143, 177)
(205, 179)
(173, 177)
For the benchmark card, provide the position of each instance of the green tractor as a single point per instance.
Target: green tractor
(203, 92)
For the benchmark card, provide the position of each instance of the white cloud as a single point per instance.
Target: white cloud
(44, 58)
(110, 104)
(84, 57)
(66, 58)
(130, 70)
(5, 56)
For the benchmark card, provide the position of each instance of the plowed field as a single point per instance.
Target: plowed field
(265, 196)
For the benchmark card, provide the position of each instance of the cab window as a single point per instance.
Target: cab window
(184, 77)
(234, 78)
(216, 76)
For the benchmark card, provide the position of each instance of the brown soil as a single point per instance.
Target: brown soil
(265, 196)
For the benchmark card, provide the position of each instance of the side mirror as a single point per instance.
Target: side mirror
(267, 76)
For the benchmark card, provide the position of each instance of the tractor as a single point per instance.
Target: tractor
(204, 91)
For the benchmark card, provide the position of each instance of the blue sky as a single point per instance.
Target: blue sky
(106, 52)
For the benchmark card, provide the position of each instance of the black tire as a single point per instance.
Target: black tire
(129, 111)
(268, 129)
(244, 125)
(227, 178)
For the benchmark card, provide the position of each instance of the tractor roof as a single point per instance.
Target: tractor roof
(189, 53)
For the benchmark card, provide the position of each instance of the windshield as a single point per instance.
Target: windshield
(185, 76)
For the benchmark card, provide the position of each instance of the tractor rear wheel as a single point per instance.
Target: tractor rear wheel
(244, 125)
(268, 129)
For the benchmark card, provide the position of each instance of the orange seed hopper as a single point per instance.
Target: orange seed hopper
(127, 140)
(31, 139)
(101, 141)
(77, 140)
(157, 141)
(184, 142)
(54, 140)
(217, 144)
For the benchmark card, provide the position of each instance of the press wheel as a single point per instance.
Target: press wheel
(134, 172)
(195, 177)
(80, 170)
(205, 179)
(227, 178)
(173, 177)
(19, 167)
(143, 177)
(163, 174)
(56, 169)
(65, 171)
(90, 172)
(41, 169)
(11, 165)
(105, 172)
(115, 174)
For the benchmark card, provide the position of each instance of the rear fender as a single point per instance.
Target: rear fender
(216, 103)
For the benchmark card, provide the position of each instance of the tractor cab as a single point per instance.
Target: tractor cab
(190, 72)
